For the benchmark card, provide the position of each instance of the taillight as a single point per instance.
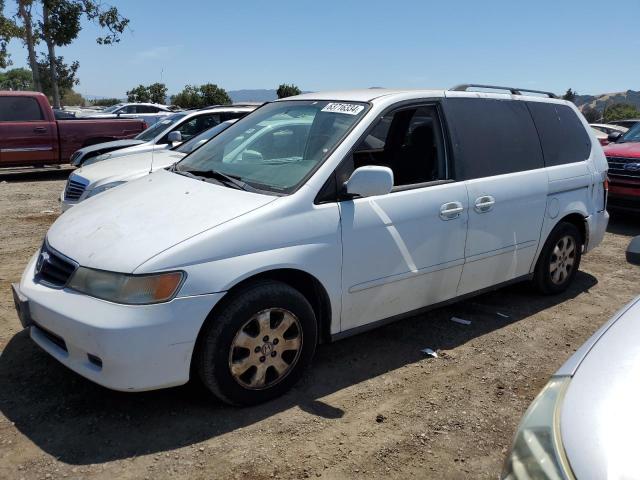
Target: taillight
(605, 193)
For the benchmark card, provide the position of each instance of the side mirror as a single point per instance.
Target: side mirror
(614, 136)
(174, 137)
(633, 251)
(369, 181)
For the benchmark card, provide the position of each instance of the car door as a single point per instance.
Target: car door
(26, 136)
(498, 154)
(404, 250)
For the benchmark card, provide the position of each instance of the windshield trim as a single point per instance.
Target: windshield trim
(312, 171)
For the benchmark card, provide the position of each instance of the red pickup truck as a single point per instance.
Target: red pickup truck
(31, 136)
(623, 155)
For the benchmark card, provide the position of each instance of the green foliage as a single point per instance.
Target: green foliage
(16, 79)
(591, 114)
(620, 111)
(570, 95)
(205, 95)
(139, 94)
(71, 97)
(105, 102)
(66, 74)
(285, 90)
(158, 92)
(8, 30)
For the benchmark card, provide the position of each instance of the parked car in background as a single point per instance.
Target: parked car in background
(352, 209)
(584, 424)
(623, 155)
(149, 112)
(628, 123)
(608, 128)
(30, 134)
(602, 137)
(168, 132)
(89, 181)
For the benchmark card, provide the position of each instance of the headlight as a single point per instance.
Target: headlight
(102, 188)
(537, 450)
(125, 288)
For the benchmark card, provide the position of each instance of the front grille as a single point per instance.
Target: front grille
(74, 189)
(624, 167)
(52, 268)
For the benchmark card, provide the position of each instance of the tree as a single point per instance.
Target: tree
(139, 94)
(105, 102)
(620, 111)
(205, 95)
(65, 76)
(16, 79)
(591, 114)
(70, 97)
(158, 92)
(285, 90)
(570, 95)
(30, 39)
(8, 30)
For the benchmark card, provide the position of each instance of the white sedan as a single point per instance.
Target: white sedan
(96, 178)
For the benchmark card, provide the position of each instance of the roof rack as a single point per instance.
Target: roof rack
(514, 91)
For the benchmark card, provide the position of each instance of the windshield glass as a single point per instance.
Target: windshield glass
(277, 146)
(113, 108)
(633, 135)
(195, 142)
(158, 127)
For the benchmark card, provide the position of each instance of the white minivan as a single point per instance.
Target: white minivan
(311, 219)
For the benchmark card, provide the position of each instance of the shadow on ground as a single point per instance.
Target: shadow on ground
(35, 174)
(81, 423)
(624, 223)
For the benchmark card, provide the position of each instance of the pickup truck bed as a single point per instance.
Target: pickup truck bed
(31, 136)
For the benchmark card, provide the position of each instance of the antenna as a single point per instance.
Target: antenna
(153, 151)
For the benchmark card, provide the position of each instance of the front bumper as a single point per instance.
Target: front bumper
(122, 347)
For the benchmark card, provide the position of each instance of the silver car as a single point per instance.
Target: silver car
(585, 422)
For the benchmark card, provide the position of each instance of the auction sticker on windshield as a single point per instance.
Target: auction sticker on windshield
(347, 108)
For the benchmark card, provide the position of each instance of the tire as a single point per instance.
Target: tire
(242, 355)
(559, 260)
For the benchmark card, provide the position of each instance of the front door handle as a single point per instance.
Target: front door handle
(451, 210)
(40, 130)
(484, 204)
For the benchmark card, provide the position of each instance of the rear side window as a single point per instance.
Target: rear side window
(492, 137)
(563, 137)
(19, 109)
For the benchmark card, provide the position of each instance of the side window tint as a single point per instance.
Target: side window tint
(19, 109)
(231, 115)
(492, 137)
(563, 137)
(409, 142)
(196, 125)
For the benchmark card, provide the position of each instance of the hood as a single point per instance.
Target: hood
(140, 147)
(108, 146)
(127, 167)
(122, 228)
(600, 418)
(628, 149)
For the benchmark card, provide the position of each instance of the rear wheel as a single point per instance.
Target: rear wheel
(257, 346)
(559, 260)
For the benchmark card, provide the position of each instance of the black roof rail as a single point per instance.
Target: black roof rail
(514, 91)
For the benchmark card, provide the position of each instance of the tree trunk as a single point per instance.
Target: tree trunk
(51, 47)
(25, 14)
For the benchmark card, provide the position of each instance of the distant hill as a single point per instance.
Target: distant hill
(598, 102)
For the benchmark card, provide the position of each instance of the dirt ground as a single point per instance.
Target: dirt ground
(372, 406)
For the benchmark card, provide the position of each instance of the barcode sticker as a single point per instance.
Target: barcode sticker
(347, 108)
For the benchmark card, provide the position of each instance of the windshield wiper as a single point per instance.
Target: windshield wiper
(232, 181)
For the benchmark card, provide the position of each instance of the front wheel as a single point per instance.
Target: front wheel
(258, 344)
(559, 260)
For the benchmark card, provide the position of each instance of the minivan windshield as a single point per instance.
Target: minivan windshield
(633, 135)
(278, 145)
(157, 128)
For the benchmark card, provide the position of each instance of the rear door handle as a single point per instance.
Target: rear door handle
(40, 130)
(451, 210)
(484, 204)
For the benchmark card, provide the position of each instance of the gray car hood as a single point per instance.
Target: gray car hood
(107, 146)
(600, 416)
(122, 228)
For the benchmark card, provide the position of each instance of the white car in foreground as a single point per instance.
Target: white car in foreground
(314, 218)
(96, 178)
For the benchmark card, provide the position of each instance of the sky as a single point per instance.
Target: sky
(587, 45)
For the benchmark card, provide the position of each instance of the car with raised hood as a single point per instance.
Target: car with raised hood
(623, 155)
(165, 134)
(94, 179)
(585, 421)
(314, 218)
(32, 134)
